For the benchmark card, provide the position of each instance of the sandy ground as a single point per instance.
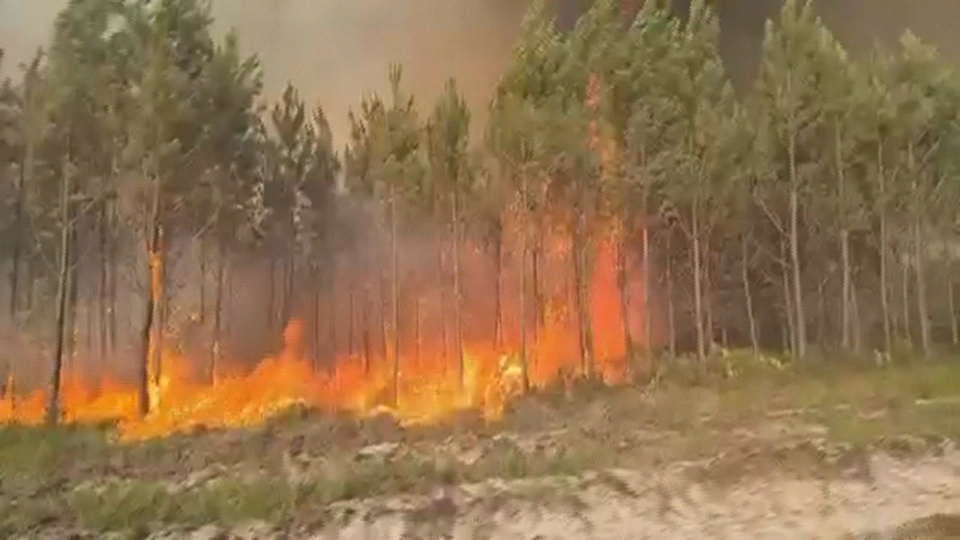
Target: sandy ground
(663, 504)
(882, 497)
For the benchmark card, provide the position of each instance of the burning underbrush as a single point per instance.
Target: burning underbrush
(427, 388)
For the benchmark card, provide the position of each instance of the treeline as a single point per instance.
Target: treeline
(815, 213)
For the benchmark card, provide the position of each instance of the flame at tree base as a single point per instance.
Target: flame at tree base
(429, 386)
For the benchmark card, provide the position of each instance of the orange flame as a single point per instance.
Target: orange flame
(429, 387)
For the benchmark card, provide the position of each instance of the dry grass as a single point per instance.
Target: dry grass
(293, 468)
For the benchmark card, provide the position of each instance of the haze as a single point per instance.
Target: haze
(335, 51)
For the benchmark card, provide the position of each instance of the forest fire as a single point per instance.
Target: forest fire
(429, 389)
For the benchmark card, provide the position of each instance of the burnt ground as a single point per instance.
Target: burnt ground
(753, 451)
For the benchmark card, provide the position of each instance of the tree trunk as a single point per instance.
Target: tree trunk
(788, 302)
(498, 287)
(457, 293)
(272, 296)
(647, 280)
(905, 299)
(289, 276)
(203, 280)
(539, 306)
(155, 260)
(697, 285)
(102, 285)
(884, 272)
(671, 302)
(748, 295)
(382, 311)
(25, 177)
(417, 329)
(582, 300)
(522, 316)
(845, 293)
(951, 301)
(857, 328)
(351, 320)
(800, 317)
(70, 342)
(846, 323)
(365, 326)
(217, 347)
(316, 323)
(114, 278)
(395, 278)
(623, 285)
(442, 294)
(56, 371)
(919, 244)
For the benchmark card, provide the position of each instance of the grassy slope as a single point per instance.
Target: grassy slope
(295, 467)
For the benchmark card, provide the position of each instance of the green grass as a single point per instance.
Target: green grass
(76, 477)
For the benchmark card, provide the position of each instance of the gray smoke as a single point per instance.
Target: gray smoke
(336, 51)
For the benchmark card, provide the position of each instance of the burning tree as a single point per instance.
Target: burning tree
(623, 205)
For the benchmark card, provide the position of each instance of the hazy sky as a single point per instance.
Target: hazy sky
(335, 50)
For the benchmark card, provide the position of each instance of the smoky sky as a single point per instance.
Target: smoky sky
(335, 51)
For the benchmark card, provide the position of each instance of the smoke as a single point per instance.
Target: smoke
(337, 51)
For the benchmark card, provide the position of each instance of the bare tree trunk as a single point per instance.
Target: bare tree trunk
(697, 285)
(382, 312)
(748, 295)
(923, 312)
(56, 371)
(31, 285)
(846, 341)
(70, 341)
(395, 278)
(160, 320)
(498, 287)
(857, 322)
(539, 306)
(522, 316)
(272, 296)
(330, 277)
(442, 297)
(582, 300)
(289, 276)
(951, 300)
(647, 281)
(155, 260)
(905, 300)
(217, 347)
(352, 323)
(457, 293)
(884, 272)
(113, 247)
(846, 337)
(800, 318)
(671, 302)
(102, 285)
(316, 322)
(788, 302)
(417, 328)
(365, 326)
(624, 296)
(25, 177)
(203, 280)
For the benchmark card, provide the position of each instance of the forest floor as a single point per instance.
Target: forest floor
(851, 452)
